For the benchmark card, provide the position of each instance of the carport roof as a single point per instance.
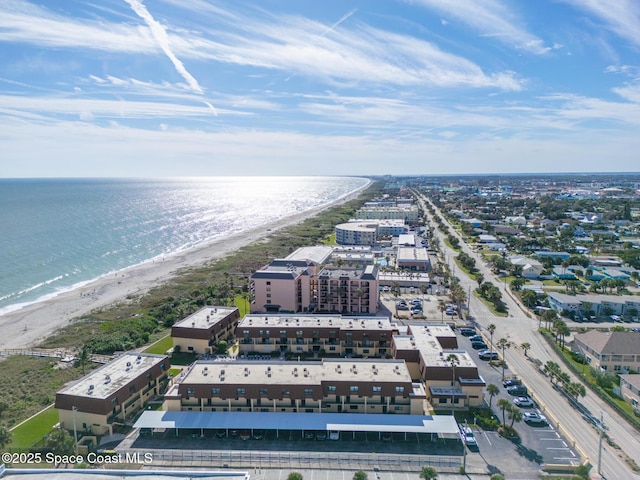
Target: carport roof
(345, 422)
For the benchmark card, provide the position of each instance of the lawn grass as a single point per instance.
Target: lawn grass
(161, 346)
(244, 308)
(31, 431)
(489, 305)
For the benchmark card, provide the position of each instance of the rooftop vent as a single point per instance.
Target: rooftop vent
(107, 379)
(91, 387)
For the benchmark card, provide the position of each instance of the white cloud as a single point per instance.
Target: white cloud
(622, 17)
(490, 18)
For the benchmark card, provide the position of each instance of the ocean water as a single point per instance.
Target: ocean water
(59, 234)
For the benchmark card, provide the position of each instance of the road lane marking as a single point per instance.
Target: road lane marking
(487, 437)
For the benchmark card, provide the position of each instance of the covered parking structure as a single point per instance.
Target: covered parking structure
(436, 426)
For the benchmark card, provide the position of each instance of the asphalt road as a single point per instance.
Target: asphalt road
(518, 328)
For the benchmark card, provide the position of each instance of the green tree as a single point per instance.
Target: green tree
(514, 414)
(525, 346)
(60, 442)
(551, 370)
(504, 404)
(491, 328)
(503, 344)
(428, 473)
(223, 346)
(360, 475)
(517, 284)
(497, 476)
(5, 436)
(295, 476)
(492, 390)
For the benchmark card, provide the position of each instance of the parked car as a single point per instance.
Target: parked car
(467, 332)
(334, 435)
(517, 390)
(321, 436)
(258, 434)
(416, 311)
(488, 355)
(387, 437)
(511, 382)
(535, 418)
(476, 338)
(245, 435)
(416, 301)
(523, 402)
(468, 437)
(309, 435)
(478, 345)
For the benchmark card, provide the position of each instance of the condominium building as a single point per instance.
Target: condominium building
(408, 213)
(357, 233)
(347, 290)
(201, 331)
(630, 390)
(413, 258)
(329, 386)
(429, 352)
(112, 393)
(611, 351)
(292, 286)
(330, 334)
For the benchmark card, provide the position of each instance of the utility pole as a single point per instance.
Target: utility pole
(600, 448)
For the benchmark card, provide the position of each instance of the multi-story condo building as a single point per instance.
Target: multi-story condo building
(330, 386)
(292, 286)
(359, 232)
(330, 334)
(347, 290)
(112, 393)
(408, 213)
(201, 331)
(426, 350)
(612, 351)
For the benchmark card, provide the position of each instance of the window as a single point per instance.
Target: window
(332, 349)
(442, 400)
(263, 391)
(353, 407)
(285, 391)
(240, 391)
(377, 389)
(191, 391)
(365, 350)
(399, 389)
(398, 408)
(308, 391)
(268, 283)
(332, 388)
(353, 388)
(268, 301)
(215, 391)
(268, 295)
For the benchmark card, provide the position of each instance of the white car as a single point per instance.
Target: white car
(535, 418)
(523, 402)
(468, 437)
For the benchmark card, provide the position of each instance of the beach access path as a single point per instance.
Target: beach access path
(30, 325)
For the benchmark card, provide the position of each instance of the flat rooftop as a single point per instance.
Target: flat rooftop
(316, 254)
(205, 318)
(412, 254)
(111, 377)
(425, 340)
(297, 373)
(444, 425)
(316, 321)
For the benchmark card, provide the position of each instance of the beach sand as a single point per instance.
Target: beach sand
(32, 324)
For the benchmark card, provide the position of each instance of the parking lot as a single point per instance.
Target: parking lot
(538, 443)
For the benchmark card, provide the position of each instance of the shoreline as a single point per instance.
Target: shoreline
(31, 324)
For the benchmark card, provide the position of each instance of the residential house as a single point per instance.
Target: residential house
(609, 351)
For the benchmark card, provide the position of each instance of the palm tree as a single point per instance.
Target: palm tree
(552, 370)
(442, 307)
(576, 390)
(491, 328)
(503, 344)
(479, 278)
(504, 404)
(492, 390)
(525, 346)
(453, 361)
(514, 414)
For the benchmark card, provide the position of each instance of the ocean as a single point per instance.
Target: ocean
(59, 234)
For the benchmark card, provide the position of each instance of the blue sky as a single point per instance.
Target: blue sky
(204, 87)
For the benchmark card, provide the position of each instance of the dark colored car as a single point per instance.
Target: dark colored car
(467, 332)
(478, 345)
(512, 382)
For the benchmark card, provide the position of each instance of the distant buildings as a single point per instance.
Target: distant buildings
(630, 389)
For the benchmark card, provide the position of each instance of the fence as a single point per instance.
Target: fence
(297, 460)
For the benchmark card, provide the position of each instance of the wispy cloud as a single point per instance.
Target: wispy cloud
(160, 35)
(490, 18)
(622, 17)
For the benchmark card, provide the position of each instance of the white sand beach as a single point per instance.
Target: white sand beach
(30, 325)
